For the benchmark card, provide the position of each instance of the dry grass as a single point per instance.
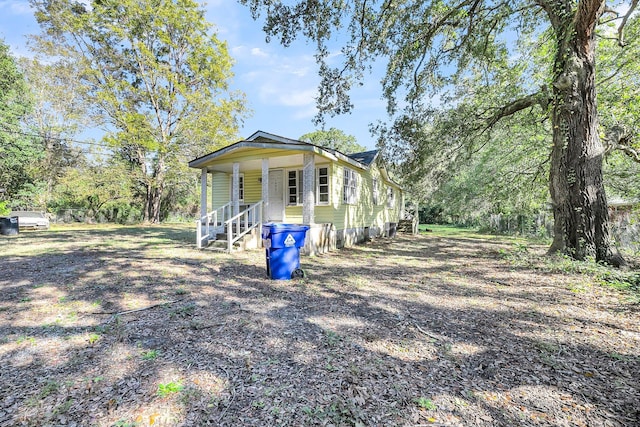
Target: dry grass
(432, 330)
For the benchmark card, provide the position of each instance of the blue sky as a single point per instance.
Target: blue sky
(280, 83)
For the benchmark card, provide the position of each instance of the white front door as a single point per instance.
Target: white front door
(276, 196)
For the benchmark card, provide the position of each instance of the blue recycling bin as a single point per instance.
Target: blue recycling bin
(282, 244)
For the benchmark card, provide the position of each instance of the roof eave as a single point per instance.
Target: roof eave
(200, 163)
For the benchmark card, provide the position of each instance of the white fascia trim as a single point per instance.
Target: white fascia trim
(299, 146)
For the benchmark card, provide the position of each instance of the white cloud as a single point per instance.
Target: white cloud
(277, 80)
(256, 51)
(16, 7)
(305, 113)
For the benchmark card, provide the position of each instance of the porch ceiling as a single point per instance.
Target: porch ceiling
(255, 163)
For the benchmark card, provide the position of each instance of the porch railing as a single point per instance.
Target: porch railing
(241, 224)
(211, 223)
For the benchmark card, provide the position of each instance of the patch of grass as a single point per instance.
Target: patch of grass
(150, 355)
(518, 255)
(357, 281)
(258, 404)
(183, 312)
(181, 291)
(312, 412)
(424, 403)
(627, 281)
(329, 367)
(94, 338)
(169, 388)
(579, 288)
(450, 231)
(50, 387)
(64, 407)
(332, 338)
(26, 338)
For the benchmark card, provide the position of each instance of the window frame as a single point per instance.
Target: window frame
(350, 186)
(318, 193)
(391, 198)
(300, 186)
(375, 191)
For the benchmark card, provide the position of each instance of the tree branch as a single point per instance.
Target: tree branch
(541, 98)
(625, 18)
(621, 138)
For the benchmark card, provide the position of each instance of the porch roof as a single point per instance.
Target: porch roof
(273, 143)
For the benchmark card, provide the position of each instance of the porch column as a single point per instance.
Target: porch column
(308, 184)
(203, 193)
(235, 189)
(265, 189)
(212, 205)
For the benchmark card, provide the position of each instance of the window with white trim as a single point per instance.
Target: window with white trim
(350, 187)
(240, 188)
(294, 187)
(376, 191)
(391, 197)
(322, 186)
(295, 179)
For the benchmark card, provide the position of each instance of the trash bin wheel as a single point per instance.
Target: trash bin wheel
(297, 274)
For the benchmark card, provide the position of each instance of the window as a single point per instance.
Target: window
(295, 179)
(240, 187)
(322, 186)
(376, 191)
(350, 186)
(391, 197)
(294, 185)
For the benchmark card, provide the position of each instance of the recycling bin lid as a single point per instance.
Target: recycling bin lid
(283, 228)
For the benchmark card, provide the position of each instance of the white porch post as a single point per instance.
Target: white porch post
(203, 193)
(265, 189)
(235, 189)
(308, 184)
(212, 205)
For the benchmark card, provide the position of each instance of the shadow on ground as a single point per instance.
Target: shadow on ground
(133, 326)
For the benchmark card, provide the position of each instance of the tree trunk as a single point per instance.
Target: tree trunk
(154, 205)
(155, 191)
(581, 217)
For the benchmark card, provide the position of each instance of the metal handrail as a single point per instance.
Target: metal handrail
(253, 211)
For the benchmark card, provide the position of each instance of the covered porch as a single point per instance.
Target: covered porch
(252, 182)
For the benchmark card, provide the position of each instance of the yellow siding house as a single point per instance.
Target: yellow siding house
(344, 198)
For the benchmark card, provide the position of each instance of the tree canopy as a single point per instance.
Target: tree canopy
(155, 74)
(17, 150)
(475, 57)
(334, 138)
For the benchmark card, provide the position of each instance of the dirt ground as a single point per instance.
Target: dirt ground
(418, 331)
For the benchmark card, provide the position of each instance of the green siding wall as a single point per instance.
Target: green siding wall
(344, 216)
(252, 186)
(364, 213)
(221, 183)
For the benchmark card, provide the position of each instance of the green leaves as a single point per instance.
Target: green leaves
(333, 138)
(155, 73)
(17, 151)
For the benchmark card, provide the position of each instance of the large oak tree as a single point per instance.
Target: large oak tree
(432, 46)
(155, 74)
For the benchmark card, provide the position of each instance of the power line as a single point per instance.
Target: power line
(60, 139)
